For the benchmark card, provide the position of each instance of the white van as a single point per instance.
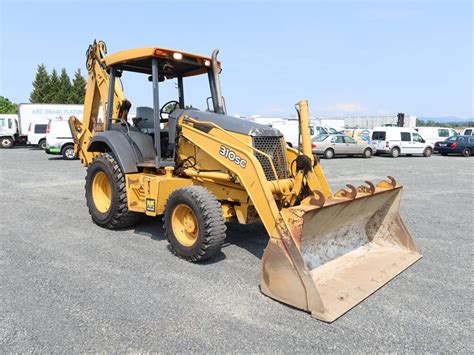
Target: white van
(59, 139)
(436, 134)
(400, 140)
(468, 131)
(37, 134)
(291, 131)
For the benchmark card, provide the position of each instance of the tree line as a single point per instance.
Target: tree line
(431, 123)
(57, 88)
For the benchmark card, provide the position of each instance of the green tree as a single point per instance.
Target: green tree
(40, 86)
(53, 94)
(64, 88)
(78, 89)
(6, 106)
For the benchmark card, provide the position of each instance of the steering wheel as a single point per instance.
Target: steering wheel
(167, 108)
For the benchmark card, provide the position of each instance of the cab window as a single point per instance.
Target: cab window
(443, 132)
(453, 132)
(349, 140)
(406, 136)
(2, 122)
(468, 132)
(337, 139)
(417, 138)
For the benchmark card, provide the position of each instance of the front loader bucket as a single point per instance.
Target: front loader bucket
(330, 258)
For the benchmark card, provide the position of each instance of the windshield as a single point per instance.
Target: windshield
(332, 131)
(320, 138)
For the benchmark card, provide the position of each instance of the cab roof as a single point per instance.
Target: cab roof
(171, 63)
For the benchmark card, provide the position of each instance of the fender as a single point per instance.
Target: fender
(129, 151)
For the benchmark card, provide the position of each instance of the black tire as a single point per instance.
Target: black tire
(329, 153)
(395, 152)
(367, 153)
(117, 216)
(466, 152)
(210, 223)
(427, 152)
(42, 144)
(68, 152)
(7, 142)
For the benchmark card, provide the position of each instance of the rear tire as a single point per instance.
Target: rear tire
(68, 152)
(395, 153)
(367, 153)
(427, 152)
(42, 144)
(106, 194)
(194, 223)
(329, 153)
(6, 142)
(466, 152)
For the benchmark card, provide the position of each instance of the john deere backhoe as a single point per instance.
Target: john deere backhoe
(327, 251)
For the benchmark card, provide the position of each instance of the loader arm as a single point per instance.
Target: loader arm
(97, 90)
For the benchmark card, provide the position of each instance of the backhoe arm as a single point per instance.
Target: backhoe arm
(97, 91)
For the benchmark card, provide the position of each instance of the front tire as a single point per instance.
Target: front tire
(106, 194)
(329, 153)
(7, 142)
(68, 152)
(427, 152)
(194, 223)
(466, 152)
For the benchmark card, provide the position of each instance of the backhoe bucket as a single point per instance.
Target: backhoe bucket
(331, 257)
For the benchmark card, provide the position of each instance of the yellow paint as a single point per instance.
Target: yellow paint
(101, 192)
(185, 225)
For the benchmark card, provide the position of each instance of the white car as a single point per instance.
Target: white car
(468, 131)
(436, 134)
(59, 139)
(400, 140)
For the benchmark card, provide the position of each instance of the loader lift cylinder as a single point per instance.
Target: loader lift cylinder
(156, 111)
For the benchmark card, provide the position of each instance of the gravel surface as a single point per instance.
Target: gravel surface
(67, 285)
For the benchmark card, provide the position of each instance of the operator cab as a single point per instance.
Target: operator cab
(153, 131)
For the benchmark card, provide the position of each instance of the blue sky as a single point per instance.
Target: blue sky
(345, 57)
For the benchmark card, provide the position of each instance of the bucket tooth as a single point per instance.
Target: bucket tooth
(390, 184)
(345, 193)
(367, 189)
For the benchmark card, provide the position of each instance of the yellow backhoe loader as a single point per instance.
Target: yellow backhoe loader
(327, 251)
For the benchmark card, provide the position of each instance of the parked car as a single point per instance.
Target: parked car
(463, 145)
(59, 139)
(37, 134)
(400, 140)
(468, 131)
(339, 144)
(436, 134)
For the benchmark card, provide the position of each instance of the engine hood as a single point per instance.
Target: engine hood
(229, 123)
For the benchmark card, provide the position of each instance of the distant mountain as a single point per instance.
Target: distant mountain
(447, 119)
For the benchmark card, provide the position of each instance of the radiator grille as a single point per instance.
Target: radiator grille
(273, 146)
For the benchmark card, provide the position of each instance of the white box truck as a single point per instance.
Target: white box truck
(30, 125)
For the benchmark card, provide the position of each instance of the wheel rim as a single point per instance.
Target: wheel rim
(101, 192)
(467, 152)
(185, 225)
(70, 153)
(5, 142)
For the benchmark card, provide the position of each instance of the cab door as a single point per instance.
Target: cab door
(419, 143)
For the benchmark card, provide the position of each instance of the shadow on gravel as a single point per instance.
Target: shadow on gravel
(252, 238)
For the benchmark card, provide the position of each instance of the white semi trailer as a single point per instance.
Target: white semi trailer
(29, 127)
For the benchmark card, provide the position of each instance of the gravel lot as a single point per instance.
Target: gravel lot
(67, 285)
